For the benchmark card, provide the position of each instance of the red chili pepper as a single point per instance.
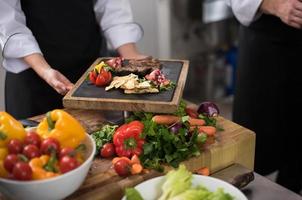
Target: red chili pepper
(127, 139)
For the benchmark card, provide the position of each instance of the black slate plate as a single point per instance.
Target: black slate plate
(171, 69)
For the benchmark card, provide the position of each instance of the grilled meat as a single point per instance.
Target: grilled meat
(139, 67)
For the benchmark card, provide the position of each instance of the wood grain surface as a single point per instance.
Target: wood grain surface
(144, 102)
(235, 144)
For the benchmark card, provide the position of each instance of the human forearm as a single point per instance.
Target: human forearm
(37, 63)
(289, 11)
(129, 51)
(53, 77)
(269, 6)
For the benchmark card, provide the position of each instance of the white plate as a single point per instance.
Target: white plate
(151, 189)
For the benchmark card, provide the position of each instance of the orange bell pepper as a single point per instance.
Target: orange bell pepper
(38, 167)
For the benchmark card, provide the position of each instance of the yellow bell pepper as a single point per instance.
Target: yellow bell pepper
(10, 128)
(37, 166)
(60, 125)
(99, 67)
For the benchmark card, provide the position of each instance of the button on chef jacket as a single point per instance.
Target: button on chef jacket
(69, 35)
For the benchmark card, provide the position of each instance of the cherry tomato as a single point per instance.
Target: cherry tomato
(122, 167)
(31, 151)
(191, 112)
(100, 81)
(50, 145)
(67, 151)
(32, 138)
(68, 163)
(92, 76)
(22, 171)
(14, 146)
(108, 150)
(103, 78)
(10, 161)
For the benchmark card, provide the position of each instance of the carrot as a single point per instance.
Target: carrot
(114, 160)
(136, 168)
(165, 119)
(203, 171)
(196, 122)
(192, 128)
(209, 130)
(146, 171)
(135, 160)
(210, 140)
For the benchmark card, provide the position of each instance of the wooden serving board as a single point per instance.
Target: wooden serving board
(235, 144)
(87, 96)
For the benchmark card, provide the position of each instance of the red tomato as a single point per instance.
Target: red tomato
(108, 150)
(122, 167)
(50, 145)
(103, 78)
(14, 146)
(31, 151)
(191, 112)
(67, 151)
(92, 76)
(32, 138)
(10, 161)
(22, 171)
(68, 163)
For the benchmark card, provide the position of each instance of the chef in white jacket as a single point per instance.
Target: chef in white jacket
(47, 45)
(269, 83)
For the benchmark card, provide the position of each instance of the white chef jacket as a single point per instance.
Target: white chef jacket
(246, 11)
(16, 40)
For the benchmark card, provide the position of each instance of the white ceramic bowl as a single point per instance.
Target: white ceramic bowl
(151, 189)
(54, 188)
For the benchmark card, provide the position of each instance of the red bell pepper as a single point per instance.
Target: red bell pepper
(128, 140)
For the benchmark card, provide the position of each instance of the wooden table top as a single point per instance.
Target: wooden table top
(234, 146)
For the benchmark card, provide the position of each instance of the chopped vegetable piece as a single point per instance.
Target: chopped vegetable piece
(133, 194)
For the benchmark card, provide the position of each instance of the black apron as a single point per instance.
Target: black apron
(267, 97)
(70, 40)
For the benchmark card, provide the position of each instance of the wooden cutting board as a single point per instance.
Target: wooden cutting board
(87, 96)
(235, 144)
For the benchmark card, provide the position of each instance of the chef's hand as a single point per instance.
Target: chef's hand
(57, 80)
(53, 77)
(129, 51)
(289, 11)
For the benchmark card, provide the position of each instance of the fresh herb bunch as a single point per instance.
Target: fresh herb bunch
(211, 121)
(103, 136)
(166, 147)
(181, 109)
(163, 146)
(170, 86)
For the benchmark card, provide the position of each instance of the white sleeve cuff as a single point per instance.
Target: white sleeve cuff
(19, 45)
(16, 47)
(246, 11)
(121, 34)
(14, 65)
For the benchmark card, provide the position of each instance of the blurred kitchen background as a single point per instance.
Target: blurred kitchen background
(203, 32)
